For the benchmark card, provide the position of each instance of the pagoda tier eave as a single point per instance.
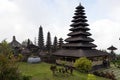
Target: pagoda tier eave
(77, 16)
(78, 10)
(79, 13)
(79, 45)
(73, 39)
(78, 33)
(80, 27)
(80, 7)
(79, 19)
(79, 23)
(76, 53)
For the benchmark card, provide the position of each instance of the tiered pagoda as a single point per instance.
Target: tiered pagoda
(79, 43)
(79, 35)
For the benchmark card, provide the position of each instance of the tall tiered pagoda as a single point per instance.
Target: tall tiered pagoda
(79, 35)
(79, 43)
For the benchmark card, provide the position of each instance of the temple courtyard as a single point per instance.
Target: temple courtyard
(41, 71)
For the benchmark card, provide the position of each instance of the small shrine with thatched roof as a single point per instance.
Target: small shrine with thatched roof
(112, 53)
(15, 45)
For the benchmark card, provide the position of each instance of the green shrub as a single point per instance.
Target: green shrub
(116, 63)
(8, 69)
(83, 64)
(91, 77)
(8, 64)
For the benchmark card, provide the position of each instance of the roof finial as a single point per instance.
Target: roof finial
(80, 4)
(40, 25)
(14, 38)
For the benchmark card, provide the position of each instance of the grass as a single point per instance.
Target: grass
(41, 71)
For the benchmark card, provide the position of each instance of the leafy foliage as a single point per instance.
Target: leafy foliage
(5, 48)
(116, 63)
(8, 69)
(83, 64)
(8, 66)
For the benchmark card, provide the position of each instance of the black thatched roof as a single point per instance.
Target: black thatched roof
(112, 48)
(79, 45)
(79, 23)
(79, 27)
(79, 19)
(79, 39)
(79, 13)
(80, 53)
(80, 6)
(78, 33)
(77, 16)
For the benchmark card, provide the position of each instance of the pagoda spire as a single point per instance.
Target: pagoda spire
(14, 39)
(41, 38)
(79, 35)
(80, 4)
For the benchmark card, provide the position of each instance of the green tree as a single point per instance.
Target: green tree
(8, 66)
(83, 64)
(5, 48)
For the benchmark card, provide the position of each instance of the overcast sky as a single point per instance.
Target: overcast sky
(22, 18)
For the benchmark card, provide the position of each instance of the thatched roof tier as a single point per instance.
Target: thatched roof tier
(79, 33)
(85, 39)
(80, 53)
(79, 19)
(77, 16)
(79, 27)
(112, 48)
(79, 23)
(80, 12)
(80, 45)
(80, 7)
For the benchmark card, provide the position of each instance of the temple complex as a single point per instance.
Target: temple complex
(79, 43)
